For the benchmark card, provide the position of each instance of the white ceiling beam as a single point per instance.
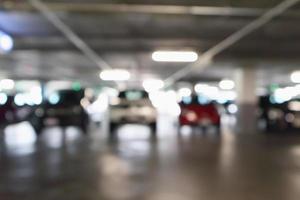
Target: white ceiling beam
(144, 9)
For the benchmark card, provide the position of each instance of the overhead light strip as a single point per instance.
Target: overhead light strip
(6, 42)
(174, 56)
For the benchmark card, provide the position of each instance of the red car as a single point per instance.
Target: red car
(197, 113)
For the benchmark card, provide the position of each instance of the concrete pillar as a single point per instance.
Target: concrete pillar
(43, 84)
(247, 100)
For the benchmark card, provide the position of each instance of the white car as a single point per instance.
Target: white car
(132, 107)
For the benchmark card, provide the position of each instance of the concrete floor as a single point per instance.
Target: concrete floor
(188, 166)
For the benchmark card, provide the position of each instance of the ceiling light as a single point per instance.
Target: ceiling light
(115, 75)
(6, 43)
(19, 100)
(151, 85)
(185, 92)
(226, 84)
(174, 56)
(199, 87)
(3, 98)
(228, 95)
(295, 77)
(7, 84)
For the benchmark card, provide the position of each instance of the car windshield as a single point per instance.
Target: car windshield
(65, 97)
(195, 100)
(133, 95)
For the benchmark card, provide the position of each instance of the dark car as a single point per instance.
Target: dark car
(8, 111)
(278, 117)
(196, 113)
(11, 113)
(61, 109)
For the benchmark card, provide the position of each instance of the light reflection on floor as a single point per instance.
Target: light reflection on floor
(136, 132)
(56, 137)
(20, 139)
(185, 165)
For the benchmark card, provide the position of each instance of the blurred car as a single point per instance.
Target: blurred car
(8, 111)
(11, 113)
(292, 114)
(278, 117)
(132, 107)
(61, 109)
(196, 113)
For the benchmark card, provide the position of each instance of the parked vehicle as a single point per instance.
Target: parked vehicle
(11, 113)
(62, 108)
(8, 111)
(199, 114)
(278, 117)
(132, 107)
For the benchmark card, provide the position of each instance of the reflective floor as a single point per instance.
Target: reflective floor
(66, 165)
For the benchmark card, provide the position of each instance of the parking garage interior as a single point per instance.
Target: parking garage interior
(154, 100)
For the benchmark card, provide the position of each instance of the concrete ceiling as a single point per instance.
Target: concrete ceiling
(125, 33)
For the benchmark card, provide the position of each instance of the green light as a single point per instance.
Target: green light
(274, 87)
(76, 86)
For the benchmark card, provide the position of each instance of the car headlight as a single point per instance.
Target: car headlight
(115, 102)
(147, 109)
(39, 112)
(290, 117)
(275, 114)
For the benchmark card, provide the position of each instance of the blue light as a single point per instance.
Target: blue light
(54, 99)
(6, 43)
(3, 98)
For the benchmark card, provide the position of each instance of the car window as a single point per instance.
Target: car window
(133, 95)
(65, 97)
(195, 100)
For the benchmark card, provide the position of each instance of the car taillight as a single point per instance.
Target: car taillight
(191, 116)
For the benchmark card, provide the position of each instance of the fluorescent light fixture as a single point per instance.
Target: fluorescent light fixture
(200, 87)
(35, 95)
(151, 85)
(211, 92)
(282, 95)
(7, 84)
(115, 75)
(185, 92)
(226, 84)
(3, 98)
(295, 77)
(19, 100)
(227, 96)
(6, 43)
(174, 56)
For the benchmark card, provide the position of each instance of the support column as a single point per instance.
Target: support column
(247, 100)
(43, 84)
